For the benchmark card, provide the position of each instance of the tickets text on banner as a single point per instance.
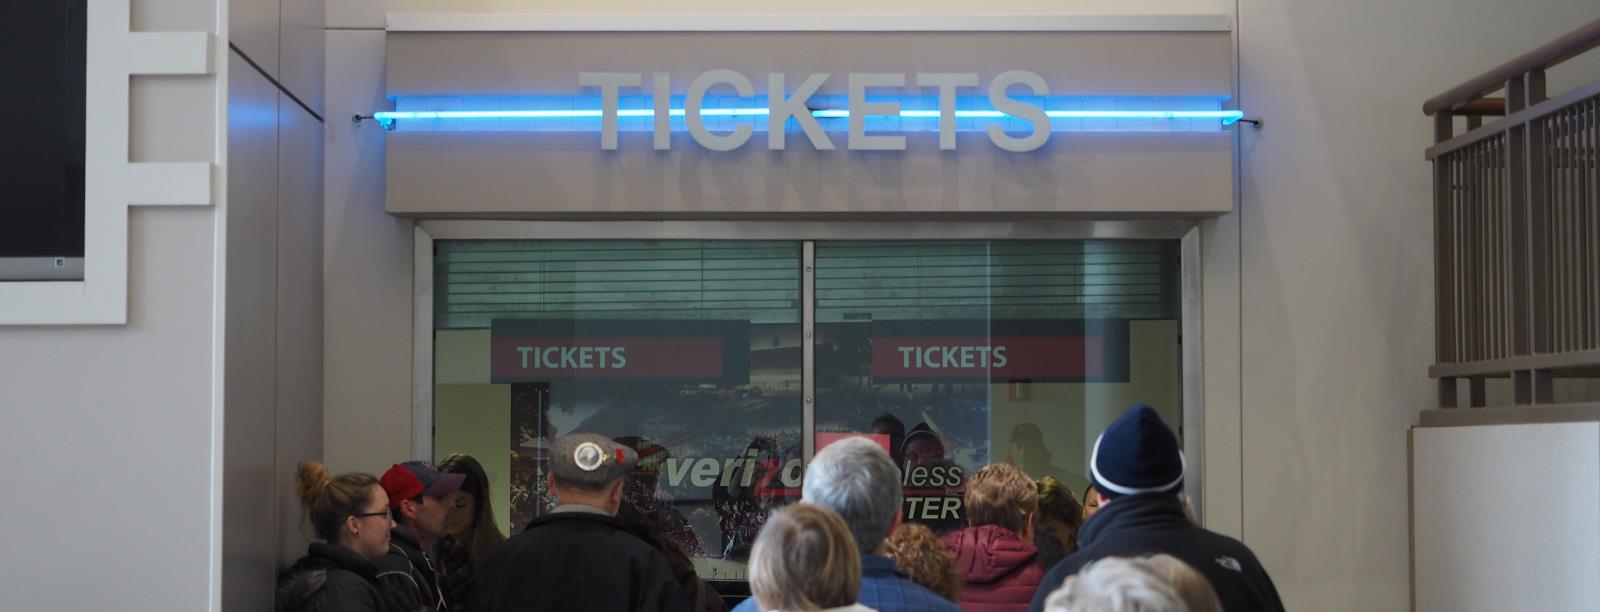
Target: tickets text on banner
(666, 351)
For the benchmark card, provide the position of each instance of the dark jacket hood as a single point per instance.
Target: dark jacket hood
(308, 575)
(988, 552)
(1143, 512)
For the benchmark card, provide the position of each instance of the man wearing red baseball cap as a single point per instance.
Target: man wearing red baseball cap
(416, 499)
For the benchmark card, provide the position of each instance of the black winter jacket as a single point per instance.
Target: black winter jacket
(407, 574)
(332, 579)
(1154, 523)
(569, 561)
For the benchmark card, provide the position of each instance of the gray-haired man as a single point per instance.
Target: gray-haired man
(579, 556)
(858, 481)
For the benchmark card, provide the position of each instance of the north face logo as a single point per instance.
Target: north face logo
(1230, 563)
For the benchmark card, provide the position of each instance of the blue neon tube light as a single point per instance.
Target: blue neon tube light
(1228, 117)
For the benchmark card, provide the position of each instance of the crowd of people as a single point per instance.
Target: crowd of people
(425, 538)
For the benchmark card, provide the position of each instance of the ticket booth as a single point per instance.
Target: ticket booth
(729, 244)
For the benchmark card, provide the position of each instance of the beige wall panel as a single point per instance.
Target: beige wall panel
(1072, 63)
(172, 16)
(303, 41)
(249, 508)
(367, 262)
(370, 13)
(300, 293)
(1221, 488)
(253, 27)
(156, 134)
(552, 174)
(1543, 554)
(1337, 279)
(108, 430)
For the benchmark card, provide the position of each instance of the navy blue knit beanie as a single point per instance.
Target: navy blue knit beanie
(1137, 454)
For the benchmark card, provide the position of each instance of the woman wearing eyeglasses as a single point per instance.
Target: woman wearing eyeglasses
(470, 532)
(350, 514)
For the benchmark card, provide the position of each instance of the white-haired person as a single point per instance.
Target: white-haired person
(1191, 587)
(805, 560)
(855, 479)
(1115, 584)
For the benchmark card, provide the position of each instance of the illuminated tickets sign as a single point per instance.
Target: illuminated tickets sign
(782, 107)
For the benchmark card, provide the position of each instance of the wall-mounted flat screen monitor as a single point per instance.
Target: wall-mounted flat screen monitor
(41, 166)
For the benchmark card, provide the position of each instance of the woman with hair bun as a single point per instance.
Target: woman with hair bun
(350, 514)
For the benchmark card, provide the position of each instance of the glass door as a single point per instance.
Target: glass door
(951, 354)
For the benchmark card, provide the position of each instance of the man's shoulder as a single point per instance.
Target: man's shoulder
(604, 536)
(1223, 542)
(553, 525)
(895, 593)
(395, 559)
(1200, 543)
(577, 524)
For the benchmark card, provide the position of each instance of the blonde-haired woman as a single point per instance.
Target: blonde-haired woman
(350, 514)
(805, 560)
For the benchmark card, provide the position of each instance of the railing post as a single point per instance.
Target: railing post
(1544, 387)
(1448, 393)
(1522, 387)
(1444, 298)
(1536, 88)
(1477, 392)
(1521, 245)
(1531, 90)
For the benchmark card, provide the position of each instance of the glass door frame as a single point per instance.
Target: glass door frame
(1186, 231)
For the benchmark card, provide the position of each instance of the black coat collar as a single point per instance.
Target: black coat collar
(1134, 512)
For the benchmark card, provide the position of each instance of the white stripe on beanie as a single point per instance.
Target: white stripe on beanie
(1094, 468)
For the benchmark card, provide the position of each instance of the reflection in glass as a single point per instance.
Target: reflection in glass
(959, 354)
(687, 351)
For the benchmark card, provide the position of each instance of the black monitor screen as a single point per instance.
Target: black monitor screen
(42, 73)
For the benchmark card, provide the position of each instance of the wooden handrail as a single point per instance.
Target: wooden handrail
(1482, 107)
(1552, 53)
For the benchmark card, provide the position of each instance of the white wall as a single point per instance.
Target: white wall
(107, 430)
(111, 430)
(1543, 557)
(1334, 229)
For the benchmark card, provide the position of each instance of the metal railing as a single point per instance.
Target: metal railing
(1517, 229)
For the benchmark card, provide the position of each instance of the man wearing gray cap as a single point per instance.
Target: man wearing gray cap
(579, 556)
